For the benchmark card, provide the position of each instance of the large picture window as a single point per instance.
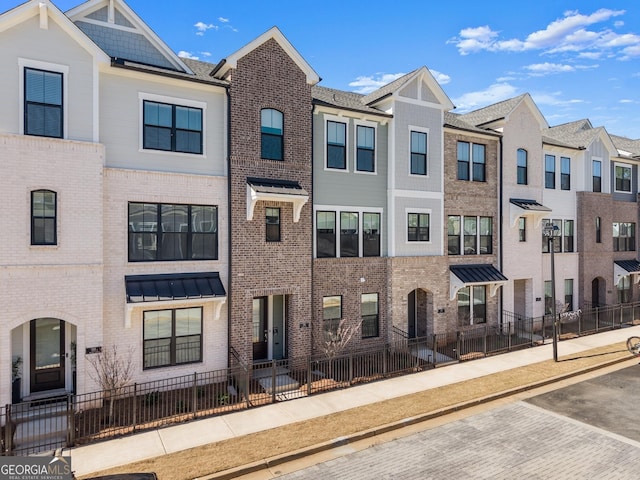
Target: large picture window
(347, 233)
(172, 128)
(172, 337)
(336, 145)
(160, 231)
(271, 130)
(365, 153)
(43, 103)
(43, 217)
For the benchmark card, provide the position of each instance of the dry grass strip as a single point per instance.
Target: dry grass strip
(228, 454)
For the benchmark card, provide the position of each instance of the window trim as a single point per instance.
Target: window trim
(615, 173)
(175, 101)
(345, 122)
(478, 236)
(281, 136)
(374, 126)
(419, 212)
(425, 132)
(25, 63)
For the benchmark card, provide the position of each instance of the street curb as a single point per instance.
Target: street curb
(345, 440)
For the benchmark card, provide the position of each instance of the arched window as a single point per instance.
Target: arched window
(43, 217)
(271, 127)
(522, 166)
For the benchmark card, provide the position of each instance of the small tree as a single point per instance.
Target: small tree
(334, 341)
(112, 371)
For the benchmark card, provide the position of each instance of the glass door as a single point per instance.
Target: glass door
(47, 354)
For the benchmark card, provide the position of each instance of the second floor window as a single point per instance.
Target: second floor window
(160, 232)
(336, 145)
(42, 103)
(597, 176)
(623, 178)
(418, 227)
(371, 234)
(522, 166)
(172, 128)
(624, 237)
(349, 235)
(563, 236)
(43, 217)
(359, 234)
(477, 235)
(272, 224)
(418, 153)
(565, 173)
(365, 154)
(271, 134)
(471, 161)
(522, 229)
(549, 171)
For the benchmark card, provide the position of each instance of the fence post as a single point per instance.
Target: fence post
(8, 431)
(435, 350)
(194, 395)
(509, 336)
(247, 384)
(309, 375)
(385, 359)
(597, 317)
(273, 381)
(71, 424)
(484, 343)
(458, 344)
(135, 406)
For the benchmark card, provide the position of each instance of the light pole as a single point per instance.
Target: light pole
(549, 230)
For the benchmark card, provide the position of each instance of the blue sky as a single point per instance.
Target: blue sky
(578, 59)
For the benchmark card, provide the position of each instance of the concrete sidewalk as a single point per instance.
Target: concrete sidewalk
(112, 453)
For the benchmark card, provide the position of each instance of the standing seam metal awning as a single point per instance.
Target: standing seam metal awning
(522, 207)
(622, 268)
(267, 189)
(481, 274)
(173, 286)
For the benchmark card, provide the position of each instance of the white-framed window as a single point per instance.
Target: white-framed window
(471, 161)
(172, 125)
(418, 151)
(43, 90)
(418, 227)
(597, 175)
(472, 305)
(623, 174)
(365, 147)
(336, 135)
(347, 231)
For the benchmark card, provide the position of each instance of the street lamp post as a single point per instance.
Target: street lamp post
(549, 230)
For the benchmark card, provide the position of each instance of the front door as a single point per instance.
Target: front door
(269, 328)
(47, 354)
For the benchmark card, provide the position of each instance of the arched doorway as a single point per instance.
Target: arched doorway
(419, 312)
(598, 292)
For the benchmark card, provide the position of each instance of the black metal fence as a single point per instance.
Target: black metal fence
(37, 426)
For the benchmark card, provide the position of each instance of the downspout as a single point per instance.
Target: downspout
(313, 260)
(229, 226)
(500, 242)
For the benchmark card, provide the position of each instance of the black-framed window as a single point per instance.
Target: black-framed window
(172, 337)
(478, 160)
(597, 176)
(331, 316)
(470, 230)
(522, 165)
(548, 297)
(349, 234)
(272, 220)
(623, 178)
(365, 154)
(371, 234)
(549, 171)
(370, 315)
(557, 236)
(624, 289)
(325, 234)
(568, 294)
(567, 236)
(44, 217)
(472, 305)
(485, 230)
(43, 107)
(271, 134)
(418, 227)
(162, 232)
(336, 145)
(624, 237)
(172, 128)
(464, 158)
(522, 229)
(418, 153)
(453, 235)
(598, 230)
(565, 173)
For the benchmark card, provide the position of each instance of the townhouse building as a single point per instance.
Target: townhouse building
(195, 214)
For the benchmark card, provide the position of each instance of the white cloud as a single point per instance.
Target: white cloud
(367, 84)
(223, 20)
(202, 27)
(205, 54)
(543, 69)
(441, 78)
(185, 54)
(571, 33)
(474, 100)
(627, 100)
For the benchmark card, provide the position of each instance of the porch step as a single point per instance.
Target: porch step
(283, 383)
(40, 429)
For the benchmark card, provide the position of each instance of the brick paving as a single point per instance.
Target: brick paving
(519, 440)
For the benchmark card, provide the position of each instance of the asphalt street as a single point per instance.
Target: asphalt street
(588, 430)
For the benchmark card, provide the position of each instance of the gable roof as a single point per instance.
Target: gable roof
(343, 100)
(501, 110)
(273, 33)
(455, 120)
(423, 74)
(46, 10)
(578, 134)
(108, 21)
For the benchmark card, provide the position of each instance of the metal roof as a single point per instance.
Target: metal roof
(173, 286)
(477, 274)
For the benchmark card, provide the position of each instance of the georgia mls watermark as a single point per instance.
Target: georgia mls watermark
(36, 468)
